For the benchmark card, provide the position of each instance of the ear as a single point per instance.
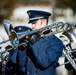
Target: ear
(44, 22)
(41, 21)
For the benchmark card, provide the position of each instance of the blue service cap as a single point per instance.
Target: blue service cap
(37, 14)
(20, 29)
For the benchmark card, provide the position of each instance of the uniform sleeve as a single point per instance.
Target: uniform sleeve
(47, 51)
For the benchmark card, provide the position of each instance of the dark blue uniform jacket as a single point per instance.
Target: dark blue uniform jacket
(41, 58)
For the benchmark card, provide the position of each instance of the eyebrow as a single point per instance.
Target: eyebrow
(34, 22)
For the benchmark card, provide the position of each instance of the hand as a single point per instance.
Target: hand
(23, 43)
(34, 38)
(74, 54)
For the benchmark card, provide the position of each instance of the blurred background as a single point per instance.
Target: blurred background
(15, 10)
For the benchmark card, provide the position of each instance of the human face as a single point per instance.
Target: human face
(39, 24)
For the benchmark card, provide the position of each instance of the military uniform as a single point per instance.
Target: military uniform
(16, 65)
(41, 57)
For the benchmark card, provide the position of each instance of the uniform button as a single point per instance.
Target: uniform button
(34, 73)
(29, 59)
(28, 72)
(11, 67)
